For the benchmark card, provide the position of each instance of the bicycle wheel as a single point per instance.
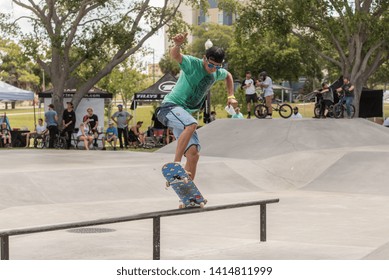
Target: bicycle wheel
(316, 111)
(285, 111)
(39, 143)
(60, 142)
(352, 111)
(260, 111)
(338, 111)
(330, 113)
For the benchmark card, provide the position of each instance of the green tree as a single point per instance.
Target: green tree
(168, 65)
(220, 35)
(100, 34)
(218, 95)
(381, 77)
(16, 68)
(124, 82)
(352, 36)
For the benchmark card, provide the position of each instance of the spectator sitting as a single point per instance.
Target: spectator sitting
(135, 135)
(111, 135)
(5, 135)
(213, 116)
(39, 133)
(238, 114)
(169, 137)
(296, 114)
(158, 127)
(92, 120)
(83, 135)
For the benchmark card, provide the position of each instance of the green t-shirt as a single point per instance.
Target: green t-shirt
(193, 84)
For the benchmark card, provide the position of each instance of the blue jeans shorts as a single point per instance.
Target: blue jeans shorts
(177, 119)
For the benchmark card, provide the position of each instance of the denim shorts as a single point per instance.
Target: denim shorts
(177, 119)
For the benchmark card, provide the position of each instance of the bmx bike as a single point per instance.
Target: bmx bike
(261, 110)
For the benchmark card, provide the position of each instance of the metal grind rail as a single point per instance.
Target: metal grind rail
(156, 216)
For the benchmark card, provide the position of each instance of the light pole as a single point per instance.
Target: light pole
(153, 66)
(208, 44)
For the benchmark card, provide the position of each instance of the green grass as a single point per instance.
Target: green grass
(24, 117)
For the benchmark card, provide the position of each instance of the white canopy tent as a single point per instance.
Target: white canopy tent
(10, 93)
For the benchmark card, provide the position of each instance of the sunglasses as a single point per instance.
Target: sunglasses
(211, 65)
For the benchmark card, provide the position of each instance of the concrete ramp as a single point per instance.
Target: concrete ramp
(363, 172)
(264, 138)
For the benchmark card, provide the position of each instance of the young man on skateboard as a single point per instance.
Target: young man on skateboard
(188, 96)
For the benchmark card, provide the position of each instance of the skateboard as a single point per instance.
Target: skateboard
(179, 181)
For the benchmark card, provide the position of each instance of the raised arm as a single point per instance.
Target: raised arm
(230, 84)
(175, 52)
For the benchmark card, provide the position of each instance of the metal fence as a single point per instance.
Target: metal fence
(156, 216)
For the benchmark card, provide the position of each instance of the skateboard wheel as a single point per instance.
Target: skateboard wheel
(205, 201)
(186, 180)
(167, 185)
(202, 204)
(181, 206)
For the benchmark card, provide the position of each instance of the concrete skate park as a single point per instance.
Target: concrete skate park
(330, 176)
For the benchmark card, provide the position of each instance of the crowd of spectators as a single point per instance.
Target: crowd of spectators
(89, 134)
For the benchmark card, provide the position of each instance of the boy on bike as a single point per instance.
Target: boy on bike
(348, 92)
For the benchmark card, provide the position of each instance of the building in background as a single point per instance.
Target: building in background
(154, 71)
(194, 16)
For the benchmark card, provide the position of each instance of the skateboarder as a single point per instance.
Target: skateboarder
(188, 96)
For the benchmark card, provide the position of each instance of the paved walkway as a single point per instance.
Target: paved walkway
(329, 175)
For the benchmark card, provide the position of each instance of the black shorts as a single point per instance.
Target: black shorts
(132, 137)
(251, 97)
(327, 103)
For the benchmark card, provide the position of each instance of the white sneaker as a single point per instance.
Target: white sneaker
(268, 117)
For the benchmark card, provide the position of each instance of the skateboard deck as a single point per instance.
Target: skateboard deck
(179, 181)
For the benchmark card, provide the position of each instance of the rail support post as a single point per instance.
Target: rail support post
(156, 238)
(263, 223)
(4, 240)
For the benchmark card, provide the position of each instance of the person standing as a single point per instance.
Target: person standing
(51, 119)
(348, 91)
(251, 94)
(122, 119)
(188, 96)
(266, 84)
(68, 123)
(328, 100)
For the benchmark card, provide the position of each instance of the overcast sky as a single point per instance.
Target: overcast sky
(157, 41)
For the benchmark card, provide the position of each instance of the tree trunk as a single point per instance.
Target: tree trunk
(57, 96)
(358, 86)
